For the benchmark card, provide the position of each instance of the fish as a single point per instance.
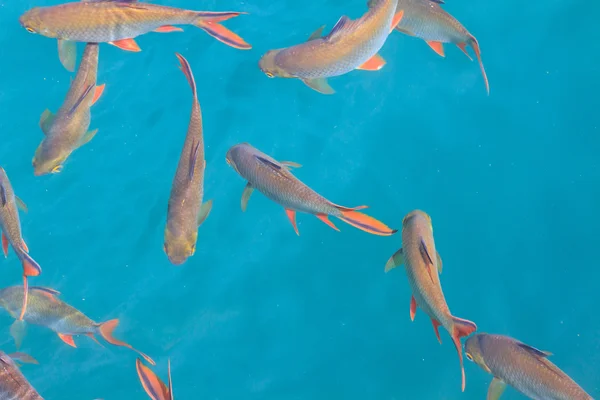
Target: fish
(67, 130)
(521, 366)
(46, 309)
(13, 385)
(10, 225)
(423, 264)
(427, 20)
(120, 22)
(186, 212)
(152, 384)
(274, 180)
(351, 44)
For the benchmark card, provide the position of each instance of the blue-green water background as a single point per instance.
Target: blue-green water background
(511, 182)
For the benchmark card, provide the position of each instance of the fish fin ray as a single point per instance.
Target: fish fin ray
(168, 29)
(436, 324)
(21, 204)
(496, 389)
(473, 42)
(461, 328)
(30, 266)
(374, 63)
(51, 291)
(46, 120)
(439, 262)
(343, 25)
(246, 196)
(316, 34)
(89, 135)
(67, 54)
(4, 245)
(320, 85)
(325, 219)
(98, 90)
(396, 20)
(127, 45)
(106, 331)
(413, 307)
(154, 387)
(290, 164)
(291, 214)
(204, 211)
(68, 339)
(463, 47)
(365, 222)
(185, 67)
(396, 260)
(438, 47)
(209, 23)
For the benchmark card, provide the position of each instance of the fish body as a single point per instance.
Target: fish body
(119, 22)
(427, 20)
(274, 180)
(186, 212)
(44, 308)
(351, 44)
(10, 225)
(423, 265)
(521, 366)
(152, 384)
(13, 385)
(68, 129)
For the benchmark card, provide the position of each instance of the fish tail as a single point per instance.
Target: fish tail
(209, 22)
(461, 328)
(30, 266)
(364, 222)
(151, 383)
(106, 331)
(187, 70)
(475, 45)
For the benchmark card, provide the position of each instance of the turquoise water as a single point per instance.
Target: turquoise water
(511, 182)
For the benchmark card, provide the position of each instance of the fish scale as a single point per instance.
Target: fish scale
(13, 385)
(427, 20)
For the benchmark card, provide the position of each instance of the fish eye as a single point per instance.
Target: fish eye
(57, 169)
(30, 30)
(469, 357)
(269, 75)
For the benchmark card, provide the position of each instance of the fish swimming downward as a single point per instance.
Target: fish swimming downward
(275, 181)
(46, 309)
(119, 23)
(427, 20)
(521, 366)
(186, 211)
(13, 385)
(67, 130)
(423, 264)
(11, 234)
(351, 44)
(154, 387)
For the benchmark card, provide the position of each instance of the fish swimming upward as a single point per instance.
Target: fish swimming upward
(427, 20)
(351, 44)
(186, 211)
(423, 263)
(11, 233)
(46, 309)
(152, 384)
(521, 366)
(275, 181)
(67, 130)
(119, 22)
(13, 385)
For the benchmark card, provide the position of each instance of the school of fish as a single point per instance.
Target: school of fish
(352, 44)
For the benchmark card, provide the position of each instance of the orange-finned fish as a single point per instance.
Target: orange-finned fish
(351, 44)
(186, 211)
(46, 309)
(275, 181)
(427, 20)
(13, 385)
(152, 384)
(67, 130)
(521, 366)
(11, 233)
(423, 263)
(119, 22)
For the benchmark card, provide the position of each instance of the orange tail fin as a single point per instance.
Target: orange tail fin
(461, 328)
(364, 222)
(209, 22)
(473, 42)
(156, 389)
(106, 331)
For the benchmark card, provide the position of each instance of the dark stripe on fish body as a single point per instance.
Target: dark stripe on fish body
(268, 163)
(425, 253)
(3, 195)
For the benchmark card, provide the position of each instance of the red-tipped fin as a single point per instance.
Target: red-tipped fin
(167, 29)
(30, 266)
(106, 331)
(436, 325)
(4, 245)
(154, 387)
(438, 47)
(375, 63)
(366, 223)
(463, 47)
(68, 339)
(98, 92)
(187, 71)
(24, 246)
(127, 45)
(209, 22)
(396, 20)
(291, 214)
(324, 218)
(413, 308)
(473, 42)
(461, 328)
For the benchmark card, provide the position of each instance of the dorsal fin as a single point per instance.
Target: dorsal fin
(534, 351)
(269, 163)
(46, 290)
(343, 25)
(193, 157)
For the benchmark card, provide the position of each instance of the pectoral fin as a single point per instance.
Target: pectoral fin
(89, 135)
(246, 196)
(67, 53)
(17, 331)
(496, 389)
(204, 211)
(320, 85)
(375, 63)
(21, 204)
(439, 263)
(395, 261)
(46, 121)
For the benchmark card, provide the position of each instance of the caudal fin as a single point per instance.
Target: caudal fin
(106, 331)
(364, 222)
(473, 42)
(187, 70)
(152, 384)
(30, 268)
(209, 22)
(462, 328)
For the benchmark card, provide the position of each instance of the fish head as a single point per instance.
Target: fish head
(3, 176)
(180, 245)
(48, 159)
(474, 351)
(416, 217)
(268, 65)
(33, 22)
